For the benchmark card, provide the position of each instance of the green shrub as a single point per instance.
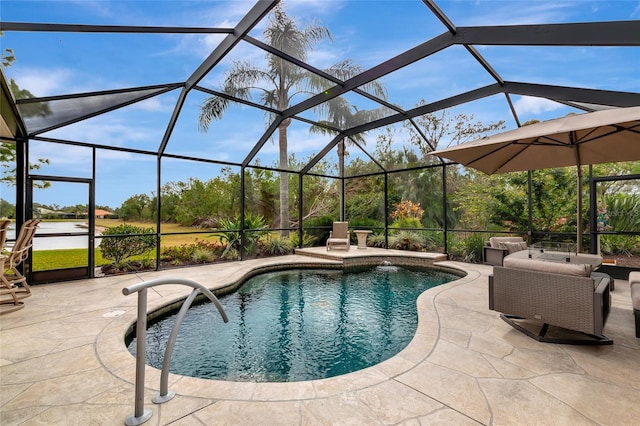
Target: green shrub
(274, 245)
(198, 252)
(307, 239)
(231, 238)
(472, 248)
(119, 249)
(201, 255)
(376, 240)
(231, 254)
(406, 222)
(365, 223)
(619, 244)
(407, 240)
(320, 235)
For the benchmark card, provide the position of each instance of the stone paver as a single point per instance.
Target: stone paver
(63, 362)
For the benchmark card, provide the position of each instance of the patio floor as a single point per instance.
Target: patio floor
(63, 361)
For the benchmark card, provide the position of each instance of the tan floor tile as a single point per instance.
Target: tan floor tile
(543, 362)
(341, 410)
(446, 416)
(518, 402)
(251, 413)
(459, 391)
(461, 359)
(283, 391)
(602, 402)
(393, 402)
(64, 390)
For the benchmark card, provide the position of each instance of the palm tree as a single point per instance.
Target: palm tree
(341, 114)
(277, 84)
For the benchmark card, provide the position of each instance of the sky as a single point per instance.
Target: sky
(366, 32)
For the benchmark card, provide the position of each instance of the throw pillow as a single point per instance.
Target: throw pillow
(513, 247)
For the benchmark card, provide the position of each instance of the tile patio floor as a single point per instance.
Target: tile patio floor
(63, 362)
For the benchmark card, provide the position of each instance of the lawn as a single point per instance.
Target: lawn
(46, 260)
(167, 228)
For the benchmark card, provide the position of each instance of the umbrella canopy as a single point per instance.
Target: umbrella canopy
(606, 136)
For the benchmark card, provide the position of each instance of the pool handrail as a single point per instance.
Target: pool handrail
(141, 415)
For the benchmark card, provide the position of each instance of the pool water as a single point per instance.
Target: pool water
(297, 325)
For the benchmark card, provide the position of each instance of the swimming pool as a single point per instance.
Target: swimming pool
(297, 325)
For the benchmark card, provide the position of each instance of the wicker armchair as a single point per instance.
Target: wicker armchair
(552, 294)
(497, 248)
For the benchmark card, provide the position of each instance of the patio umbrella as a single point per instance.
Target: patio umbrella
(606, 136)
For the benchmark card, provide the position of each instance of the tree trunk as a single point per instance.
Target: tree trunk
(341, 173)
(284, 178)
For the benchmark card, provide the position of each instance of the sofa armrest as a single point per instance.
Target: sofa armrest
(602, 301)
(493, 256)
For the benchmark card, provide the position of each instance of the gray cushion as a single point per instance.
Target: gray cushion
(495, 241)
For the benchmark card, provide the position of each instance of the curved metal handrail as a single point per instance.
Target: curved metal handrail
(140, 414)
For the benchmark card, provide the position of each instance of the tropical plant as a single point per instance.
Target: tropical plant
(199, 252)
(472, 248)
(623, 211)
(230, 233)
(376, 240)
(307, 240)
(626, 245)
(277, 84)
(275, 245)
(407, 240)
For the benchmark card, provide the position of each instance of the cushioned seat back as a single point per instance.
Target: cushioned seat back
(340, 230)
(495, 241)
(573, 269)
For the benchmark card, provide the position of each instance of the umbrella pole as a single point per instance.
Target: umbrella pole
(579, 217)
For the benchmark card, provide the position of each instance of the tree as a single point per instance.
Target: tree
(8, 152)
(137, 207)
(343, 115)
(423, 186)
(441, 126)
(277, 84)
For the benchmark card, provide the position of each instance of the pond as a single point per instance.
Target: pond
(57, 241)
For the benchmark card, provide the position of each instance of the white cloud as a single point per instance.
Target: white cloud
(109, 132)
(530, 105)
(506, 13)
(154, 104)
(44, 82)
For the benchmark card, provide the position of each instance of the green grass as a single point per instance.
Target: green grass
(46, 260)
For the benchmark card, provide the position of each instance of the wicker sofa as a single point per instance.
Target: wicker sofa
(497, 248)
(634, 284)
(535, 295)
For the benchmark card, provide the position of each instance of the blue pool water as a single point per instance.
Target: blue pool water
(297, 325)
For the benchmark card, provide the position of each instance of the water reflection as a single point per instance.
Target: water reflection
(57, 242)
